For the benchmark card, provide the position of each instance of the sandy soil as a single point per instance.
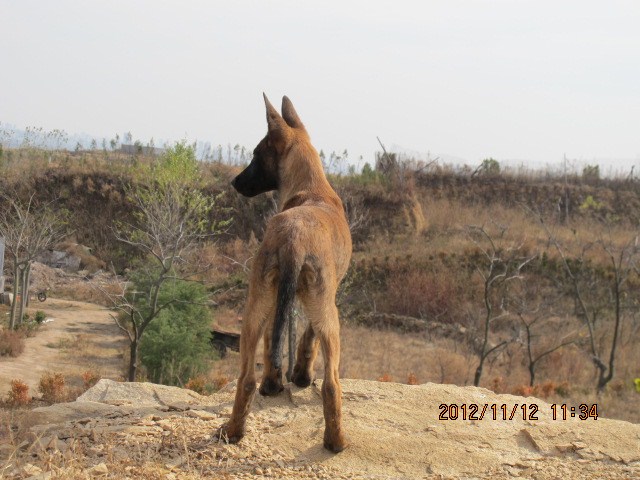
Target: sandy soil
(142, 430)
(80, 337)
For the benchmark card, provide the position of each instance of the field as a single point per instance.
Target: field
(532, 274)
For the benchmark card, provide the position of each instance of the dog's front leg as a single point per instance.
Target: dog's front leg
(234, 429)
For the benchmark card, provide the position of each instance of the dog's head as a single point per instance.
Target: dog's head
(263, 173)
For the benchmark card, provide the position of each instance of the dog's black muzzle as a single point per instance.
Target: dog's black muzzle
(253, 180)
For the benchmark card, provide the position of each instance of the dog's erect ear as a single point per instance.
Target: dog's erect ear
(289, 114)
(274, 120)
(278, 129)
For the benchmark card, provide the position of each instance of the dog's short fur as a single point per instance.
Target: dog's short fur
(305, 252)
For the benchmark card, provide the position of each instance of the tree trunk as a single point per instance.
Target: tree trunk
(17, 307)
(604, 379)
(476, 378)
(27, 285)
(133, 360)
(14, 302)
(24, 295)
(532, 374)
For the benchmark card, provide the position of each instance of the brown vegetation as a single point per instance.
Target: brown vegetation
(425, 268)
(11, 343)
(52, 387)
(19, 394)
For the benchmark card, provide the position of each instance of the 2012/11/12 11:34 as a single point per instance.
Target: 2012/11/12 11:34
(474, 411)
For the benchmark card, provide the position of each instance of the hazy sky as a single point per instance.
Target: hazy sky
(512, 79)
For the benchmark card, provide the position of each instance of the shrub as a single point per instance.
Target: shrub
(412, 379)
(11, 343)
(89, 379)
(39, 317)
(19, 394)
(419, 293)
(385, 378)
(28, 328)
(52, 387)
(197, 384)
(219, 381)
(489, 166)
(543, 390)
(498, 385)
(591, 173)
(523, 391)
(175, 346)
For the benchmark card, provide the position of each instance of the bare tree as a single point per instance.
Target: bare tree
(623, 259)
(29, 229)
(536, 350)
(503, 265)
(170, 218)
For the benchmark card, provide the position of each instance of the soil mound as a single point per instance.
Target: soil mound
(141, 429)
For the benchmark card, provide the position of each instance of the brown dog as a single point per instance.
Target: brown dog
(305, 252)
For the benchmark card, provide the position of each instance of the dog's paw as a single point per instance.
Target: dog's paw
(301, 378)
(335, 443)
(229, 433)
(270, 387)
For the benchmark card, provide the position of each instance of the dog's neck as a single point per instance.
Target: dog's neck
(303, 179)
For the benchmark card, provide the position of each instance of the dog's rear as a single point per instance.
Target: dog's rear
(305, 252)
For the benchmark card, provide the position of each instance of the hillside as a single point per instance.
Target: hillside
(121, 430)
(414, 297)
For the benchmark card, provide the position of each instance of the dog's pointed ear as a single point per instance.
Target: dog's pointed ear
(289, 114)
(274, 121)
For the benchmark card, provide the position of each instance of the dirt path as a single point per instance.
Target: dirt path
(80, 337)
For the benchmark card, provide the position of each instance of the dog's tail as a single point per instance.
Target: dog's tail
(290, 267)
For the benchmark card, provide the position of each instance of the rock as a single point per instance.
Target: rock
(565, 447)
(202, 415)
(30, 469)
(139, 394)
(41, 476)
(100, 469)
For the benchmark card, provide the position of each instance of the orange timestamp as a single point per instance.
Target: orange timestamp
(526, 411)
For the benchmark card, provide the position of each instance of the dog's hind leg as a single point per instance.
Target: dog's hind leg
(260, 307)
(323, 317)
(289, 270)
(271, 383)
(307, 352)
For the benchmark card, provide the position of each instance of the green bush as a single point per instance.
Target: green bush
(40, 316)
(591, 173)
(490, 166)
(175, 346)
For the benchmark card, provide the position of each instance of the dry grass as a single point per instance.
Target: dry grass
(11, 343)
(87, 292)
(414, 256)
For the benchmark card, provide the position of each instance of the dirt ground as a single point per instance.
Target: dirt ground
(142, 430)
(80, 337)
